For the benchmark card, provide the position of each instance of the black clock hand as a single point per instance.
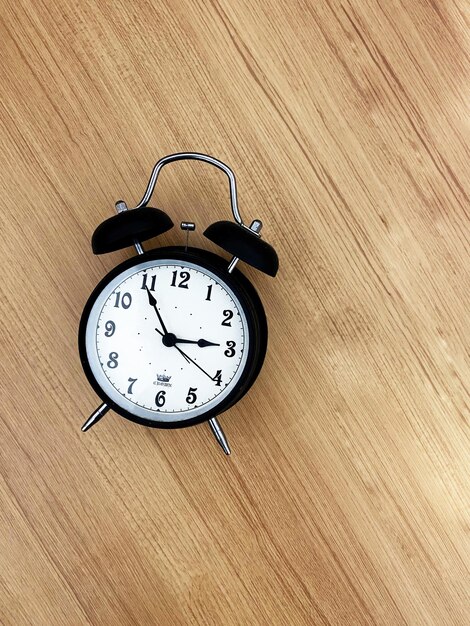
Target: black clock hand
(153, 303)
(189, 359)
(172, 339)
(203, 343)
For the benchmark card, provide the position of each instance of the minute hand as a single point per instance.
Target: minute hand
(202, 343)
(172, 340)
(188, 358)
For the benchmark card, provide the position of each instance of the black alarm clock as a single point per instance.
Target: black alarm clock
(176, 335)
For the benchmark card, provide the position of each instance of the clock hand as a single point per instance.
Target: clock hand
(172, 340)
(189, 359)
(153, 303)
(203, 343)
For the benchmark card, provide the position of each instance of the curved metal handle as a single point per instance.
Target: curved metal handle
(180, 156)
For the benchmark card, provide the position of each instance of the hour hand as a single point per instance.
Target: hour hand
(153, 303)
(152, 300)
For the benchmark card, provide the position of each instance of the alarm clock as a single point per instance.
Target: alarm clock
(175, 336)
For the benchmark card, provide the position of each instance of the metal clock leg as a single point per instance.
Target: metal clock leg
(95, 417)
(219, 434)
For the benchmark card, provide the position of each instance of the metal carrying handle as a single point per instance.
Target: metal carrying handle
(181, 156)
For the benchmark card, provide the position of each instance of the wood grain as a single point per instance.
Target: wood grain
(346, 499)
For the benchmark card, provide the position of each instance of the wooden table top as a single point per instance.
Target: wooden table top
(346, 498)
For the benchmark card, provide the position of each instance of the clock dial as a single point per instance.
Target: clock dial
(167, 340)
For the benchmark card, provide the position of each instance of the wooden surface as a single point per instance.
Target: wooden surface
(346, 499)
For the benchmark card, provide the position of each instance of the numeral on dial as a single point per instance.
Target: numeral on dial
(227, 317)
(218, 378)
(152, 282)
(230, 348)
(185, 276)
(125, 301)
(160, 398)
(113, 357)
(131, 381)
(209, 292)
(110, 328)
(191, 397)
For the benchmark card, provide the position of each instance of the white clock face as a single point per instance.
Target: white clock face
(167, 340)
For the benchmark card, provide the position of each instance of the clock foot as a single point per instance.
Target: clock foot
(95, 417)
(219, 434)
